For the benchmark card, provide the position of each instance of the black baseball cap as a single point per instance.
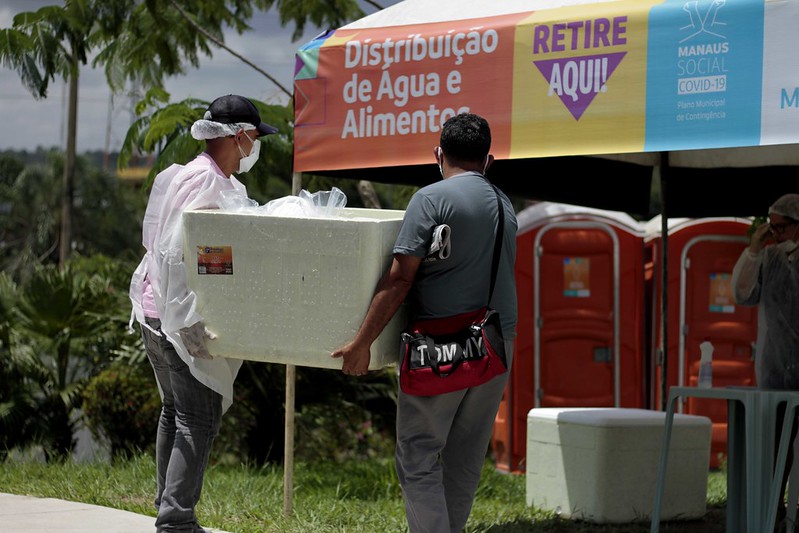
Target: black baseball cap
(232, 108)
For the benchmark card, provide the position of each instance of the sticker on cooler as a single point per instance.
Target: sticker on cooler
(214, 260)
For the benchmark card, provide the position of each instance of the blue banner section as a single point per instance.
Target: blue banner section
(704, 80)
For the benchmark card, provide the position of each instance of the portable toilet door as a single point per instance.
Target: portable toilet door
(702, 254)
(580, 333)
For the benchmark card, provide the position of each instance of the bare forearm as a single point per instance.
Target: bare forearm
(388, 297)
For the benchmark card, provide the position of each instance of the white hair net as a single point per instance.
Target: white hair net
(786, 205)
(205, 129)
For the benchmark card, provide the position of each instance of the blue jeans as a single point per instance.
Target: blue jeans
(190, 417)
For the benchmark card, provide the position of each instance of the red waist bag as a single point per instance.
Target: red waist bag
(444, 355)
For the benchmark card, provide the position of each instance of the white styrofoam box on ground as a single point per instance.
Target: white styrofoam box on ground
(296, 288)
(601, 464)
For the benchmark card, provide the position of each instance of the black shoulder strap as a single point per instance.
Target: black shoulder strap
(497, 241)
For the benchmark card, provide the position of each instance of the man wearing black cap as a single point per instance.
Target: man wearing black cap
(196, 388)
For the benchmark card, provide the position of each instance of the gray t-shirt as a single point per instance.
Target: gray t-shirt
(458, 280)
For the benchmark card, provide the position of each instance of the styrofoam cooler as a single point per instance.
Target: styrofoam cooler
(601, 464)
(290, 290)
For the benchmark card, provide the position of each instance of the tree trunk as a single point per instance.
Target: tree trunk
(368, 195)
(65, 241)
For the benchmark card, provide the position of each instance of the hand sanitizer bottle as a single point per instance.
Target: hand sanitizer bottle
(706, 365)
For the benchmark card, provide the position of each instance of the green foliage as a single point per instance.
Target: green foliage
(336, 417)
(52, 327)
(16, 403)
(107, 214)
(395, 196)
(260, 393)
(63, 325)
(756, 223)
(29, 226)
(271, 177)
(148, 41)
(121, 406)
(166, 130)
(151, 40)
(339, 432)
(322, 13)
(115, 273)
(137, 41)
(10, 168)
(49, 42)
(14, 47)
(339, 419)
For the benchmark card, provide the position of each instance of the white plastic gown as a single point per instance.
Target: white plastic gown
(770, 280)
(197, 185)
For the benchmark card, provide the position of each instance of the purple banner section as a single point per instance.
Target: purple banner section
(577, 80)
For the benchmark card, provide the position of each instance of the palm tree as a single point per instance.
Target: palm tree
(65, 324)
(17, 405)
(29, 225)
(45, 44)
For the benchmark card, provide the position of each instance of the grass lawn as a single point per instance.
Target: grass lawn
(357, 496)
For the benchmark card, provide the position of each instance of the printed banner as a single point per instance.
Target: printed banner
(780, 107)
(596, 78)
(704, 74)
(379, 97)
(579, 80)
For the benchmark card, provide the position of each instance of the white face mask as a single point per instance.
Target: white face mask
(485, 165)
(246, 162)
(439, 159)
(787, 246)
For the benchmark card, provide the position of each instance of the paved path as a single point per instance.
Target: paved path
(27, 514)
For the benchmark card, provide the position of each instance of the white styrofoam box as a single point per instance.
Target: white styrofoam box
(299, 287)
(601, 464)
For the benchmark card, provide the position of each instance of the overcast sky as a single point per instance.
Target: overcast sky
(28, 123)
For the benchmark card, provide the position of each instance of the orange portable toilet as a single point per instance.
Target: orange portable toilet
(701, 256)
(580, 334)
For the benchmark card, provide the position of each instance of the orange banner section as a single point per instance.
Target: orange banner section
(378, 97)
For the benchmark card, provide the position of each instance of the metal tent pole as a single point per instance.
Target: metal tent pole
(664, 280)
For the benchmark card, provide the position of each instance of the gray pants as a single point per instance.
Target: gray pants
(441, 447)
(190, 417)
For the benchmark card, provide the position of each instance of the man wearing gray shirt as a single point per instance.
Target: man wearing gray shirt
(442, 440)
